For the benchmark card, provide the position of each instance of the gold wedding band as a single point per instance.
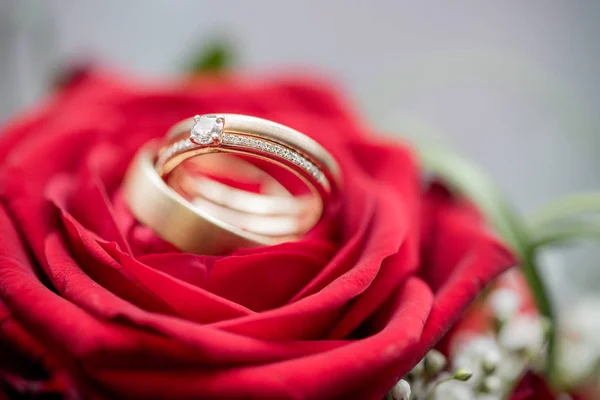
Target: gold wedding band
(189, 226)
(274, 198)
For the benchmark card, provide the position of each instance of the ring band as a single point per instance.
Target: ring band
(272, 199)
(267, 140)
(204, 216)
(190, 227)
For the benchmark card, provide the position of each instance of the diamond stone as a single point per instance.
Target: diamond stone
(206, 129)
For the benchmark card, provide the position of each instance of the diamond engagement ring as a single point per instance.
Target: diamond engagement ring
(205, 216)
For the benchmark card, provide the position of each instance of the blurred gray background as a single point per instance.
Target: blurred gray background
(512, 85)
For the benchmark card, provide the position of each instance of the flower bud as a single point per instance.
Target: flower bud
(490, 362)
(524, 334)
(417, 371)
(505, 303)
(434, 363)
(462, 374)
(491, 384)
(401, 391)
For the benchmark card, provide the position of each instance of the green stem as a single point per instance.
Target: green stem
(528, 253)
(543, 303)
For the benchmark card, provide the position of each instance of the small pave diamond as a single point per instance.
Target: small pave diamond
(290, 155)
(206, 129)
(209, 128)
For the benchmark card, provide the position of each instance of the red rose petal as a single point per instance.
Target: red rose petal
(126, 315)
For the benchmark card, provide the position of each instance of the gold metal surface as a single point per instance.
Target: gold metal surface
(205, 216)
(189, 227)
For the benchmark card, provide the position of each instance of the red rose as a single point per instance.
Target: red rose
(534, 387)
(94, 303)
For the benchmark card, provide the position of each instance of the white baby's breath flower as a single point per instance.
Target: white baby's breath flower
(471, 354)
(580, 340)
(491, 384)
(433, 363)
(454, 390)
(401, 391)
(505, 303)
(524, 333)
(490, 362)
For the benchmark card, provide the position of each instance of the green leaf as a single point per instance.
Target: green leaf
(566, 220)
(566, 233)
(566, 208)
(213, 57)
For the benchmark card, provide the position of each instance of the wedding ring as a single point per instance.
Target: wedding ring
(196, 227)
(260, 138)
(272, 199)
(205, 216)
